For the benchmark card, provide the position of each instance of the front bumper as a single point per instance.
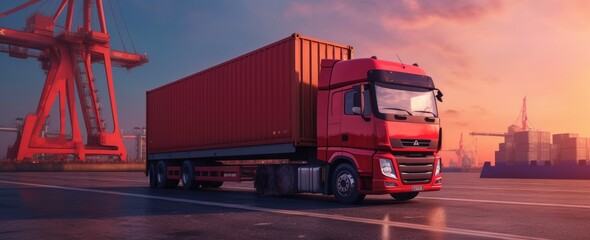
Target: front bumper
(380, 184)
(388, 186)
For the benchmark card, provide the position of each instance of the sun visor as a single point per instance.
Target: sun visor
(401, 78)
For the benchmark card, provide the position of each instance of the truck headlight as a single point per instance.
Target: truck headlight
(438, 163)
(387, 168)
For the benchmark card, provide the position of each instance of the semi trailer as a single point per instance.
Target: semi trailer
(298, 115)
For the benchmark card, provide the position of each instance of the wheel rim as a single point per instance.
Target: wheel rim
(345, 183)
(160, 176)
(185, 178)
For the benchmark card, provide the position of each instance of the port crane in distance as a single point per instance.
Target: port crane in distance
(67, 56)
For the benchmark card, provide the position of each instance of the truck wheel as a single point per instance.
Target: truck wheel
(151, 175)
(404, 196)
(345, 184)
(161, 176)
(188, 176)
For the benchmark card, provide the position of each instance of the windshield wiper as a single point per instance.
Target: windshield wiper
(424, 111)
(399, 109)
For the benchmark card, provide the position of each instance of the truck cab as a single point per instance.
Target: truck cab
(378, 129)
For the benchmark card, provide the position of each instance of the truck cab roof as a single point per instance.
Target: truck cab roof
(346, 72)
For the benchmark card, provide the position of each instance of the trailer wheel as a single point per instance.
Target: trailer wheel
(151, 175)
(188, 176)
(161, 176)
(345, 184)
(404, 196)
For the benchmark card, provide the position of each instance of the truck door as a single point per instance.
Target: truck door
(335, 112)
(357, 133)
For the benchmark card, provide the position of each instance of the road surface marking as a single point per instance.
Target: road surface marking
(516, 189)
(422, 227)
(541, 190)
(508, 202)
(90, 178)
(104, 179)
(476, 200)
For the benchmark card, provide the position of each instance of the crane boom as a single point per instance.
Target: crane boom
(67, 59)
(490, 134)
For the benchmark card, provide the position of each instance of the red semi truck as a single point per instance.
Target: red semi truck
(298, 115)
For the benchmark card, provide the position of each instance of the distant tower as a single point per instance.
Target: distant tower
(524, 116)
(461, 152)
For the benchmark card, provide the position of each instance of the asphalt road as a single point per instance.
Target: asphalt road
(121, 206)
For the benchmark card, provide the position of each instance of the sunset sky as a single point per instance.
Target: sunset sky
(486, 56)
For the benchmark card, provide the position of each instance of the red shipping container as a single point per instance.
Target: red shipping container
(574, 143)
(267, 96)
(574, 154)
(559, 138)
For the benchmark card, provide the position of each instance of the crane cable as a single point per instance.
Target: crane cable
(126, 27)
(520, 116)
(40, 6)
(117, 25)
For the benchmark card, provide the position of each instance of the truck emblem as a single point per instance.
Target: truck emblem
(416, 143)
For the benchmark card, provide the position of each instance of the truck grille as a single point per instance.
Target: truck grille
(415, 143)
(415, 168)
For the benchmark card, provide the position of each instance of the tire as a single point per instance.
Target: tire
(151, 175)
(345, 184)
(161, 176)
(404, 196)
(188, 176)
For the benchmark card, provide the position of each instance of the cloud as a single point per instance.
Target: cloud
(478, 110)
(457, 113)
(455, 124)
(451, 113)
(489, 79)
(571, 14)
(477, 107)
(461, 124)
(434, 29)
(415, 14)
(396, 15)
(455, 118)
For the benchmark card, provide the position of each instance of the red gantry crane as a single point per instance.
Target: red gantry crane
(67, 57)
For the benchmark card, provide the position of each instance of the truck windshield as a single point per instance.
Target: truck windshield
(405, 100)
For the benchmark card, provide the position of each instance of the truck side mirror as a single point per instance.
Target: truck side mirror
(359, 102)
(356, 110)
(439, 95)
